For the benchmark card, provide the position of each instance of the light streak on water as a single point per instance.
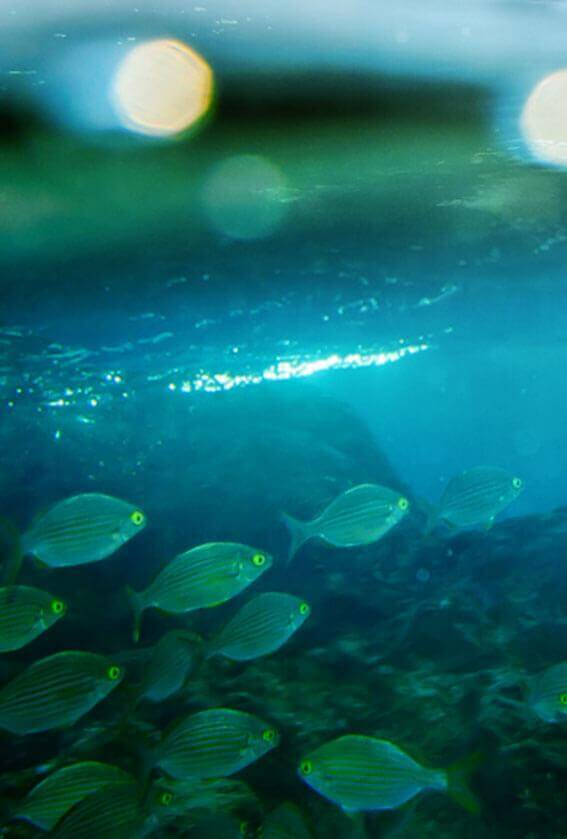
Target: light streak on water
(92, 393)
(295, 368)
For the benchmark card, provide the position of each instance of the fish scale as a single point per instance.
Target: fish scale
(354, 515)
(359, 516)
(363, 773)
(25, 613)
(214, 743)
(55, 691)
(172, 659)
(548, 697)
(81, 529)
(199, 578)
(261, 626)
(113, 812)
(476, 496)
(49, 800)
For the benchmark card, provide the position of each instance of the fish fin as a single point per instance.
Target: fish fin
(458, 781)
(39, 564)
(11, 551)
(348, 811)
(132, 695)
(193, 639)
(431, 511)
(137, 607)
(298, 532)
(198, 647)
(489, 523)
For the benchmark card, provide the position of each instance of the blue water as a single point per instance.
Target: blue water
(405, 322)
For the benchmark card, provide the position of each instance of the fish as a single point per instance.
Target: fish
(261, 626)
(362, 773)
(172, 660)
(285, 822)
(124, 810)
(215, 794)
(160, 803)
(213, 825)
(49, 800)
(476, 496)
(361, 515)
(548, 696)
(214, 743)
(81, 529)
(25, 613)
(201, 577)
(56, 691)
(113, 812)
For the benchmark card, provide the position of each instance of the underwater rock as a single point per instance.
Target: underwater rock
(430, 641)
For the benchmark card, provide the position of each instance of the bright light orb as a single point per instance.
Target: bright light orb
(544, 119)
(244, 197)
(161, 88)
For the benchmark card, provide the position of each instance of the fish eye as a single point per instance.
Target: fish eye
(137, 518)
(269, 735)
(57, 607)
(259, 560)
(114, 672)
(517, 483)
(304, 609)
(403, 504)
(166, 798)
(563, 698)
(306, 767)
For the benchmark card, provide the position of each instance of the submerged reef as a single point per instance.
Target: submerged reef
(430, 641)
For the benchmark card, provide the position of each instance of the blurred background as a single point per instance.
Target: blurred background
(219, 195)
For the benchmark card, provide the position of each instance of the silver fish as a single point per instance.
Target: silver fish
(56, 691)
(171, 662)
(49, 800)
(214, 744)
(84, 528)
(548, 697)
(476, 496)
(25, 613)
(199, 578)
(261, 626)
(363, 773)
(359, 516)
(112, 811)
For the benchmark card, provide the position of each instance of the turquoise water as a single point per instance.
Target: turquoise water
(400, 318)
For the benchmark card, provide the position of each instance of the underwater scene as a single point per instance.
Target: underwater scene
(282, 378)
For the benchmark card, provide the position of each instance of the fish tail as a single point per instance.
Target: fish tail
(12, 551)
(147, 755)
(209, 649)
(137, 605)
(458, 776)
(297, 530)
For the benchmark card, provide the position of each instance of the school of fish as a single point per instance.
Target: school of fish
(192, 763)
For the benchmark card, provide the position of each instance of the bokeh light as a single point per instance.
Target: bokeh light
(544, 119)
(161, 88)
(244, 197)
